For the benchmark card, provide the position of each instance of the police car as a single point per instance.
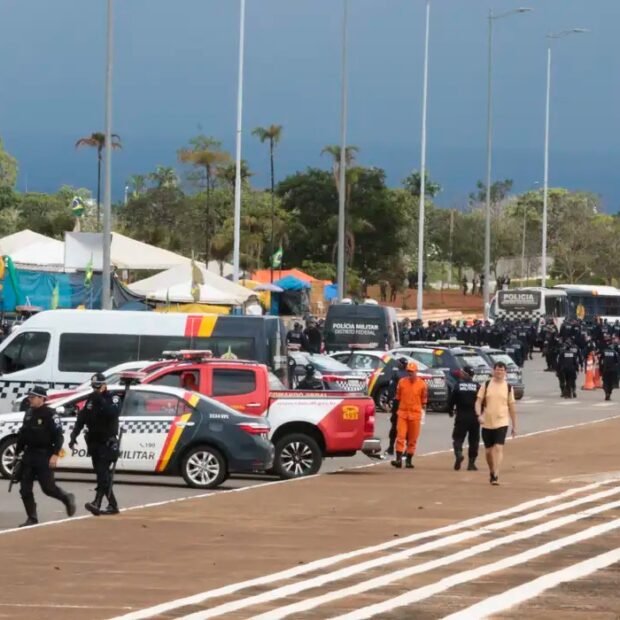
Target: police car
(166, 430)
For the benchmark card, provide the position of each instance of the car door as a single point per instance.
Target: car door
(238, 388)
(77, 457)
(152, 423)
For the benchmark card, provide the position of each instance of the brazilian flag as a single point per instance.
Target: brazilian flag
(77, 207)
(88, 275)
(55, 297)
(276, 259)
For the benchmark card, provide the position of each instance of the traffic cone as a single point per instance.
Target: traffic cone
(598, 381)
(589, 377)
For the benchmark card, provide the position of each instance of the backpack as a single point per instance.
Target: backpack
(486, 387)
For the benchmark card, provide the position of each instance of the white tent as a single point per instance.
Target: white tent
(176, 285)
(18, 241)
(49, 253)
(128, 253)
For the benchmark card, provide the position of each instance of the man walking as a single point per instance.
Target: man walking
(411, 398)
(463, 399)
(100, 417)
(495, 407)
(400, 372)
(609, 360)
(41, 439)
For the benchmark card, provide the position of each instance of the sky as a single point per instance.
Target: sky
(176, 76)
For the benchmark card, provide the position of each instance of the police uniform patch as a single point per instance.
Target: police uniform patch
(116, 400)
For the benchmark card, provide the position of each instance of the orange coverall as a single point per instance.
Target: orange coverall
(412, 397)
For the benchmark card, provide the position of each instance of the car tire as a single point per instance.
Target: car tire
(7, 455)
(204, 467)
(297, 455)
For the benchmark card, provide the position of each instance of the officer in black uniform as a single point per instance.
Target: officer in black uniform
(609, 361)
(400, 372)
(40, 438)
(295, 337)
(463, 399)
(100, 417)
(568, 367)
(310, 381)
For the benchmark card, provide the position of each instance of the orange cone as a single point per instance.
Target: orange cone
(598, 381)
(589, 377)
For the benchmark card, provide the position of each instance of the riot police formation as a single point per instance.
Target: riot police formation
(462, 405)
(40, 438)
(100, 418)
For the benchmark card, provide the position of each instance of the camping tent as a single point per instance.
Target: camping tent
(19, 240)
(293, 299)
(49, 253)
(175, 285)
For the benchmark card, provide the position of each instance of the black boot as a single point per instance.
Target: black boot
(398, 462)
(70, 504)
(408, 463)
(607, 396)
(472, 465)
(31, 512)
(459, 458)
(112, 508)
(94, 507)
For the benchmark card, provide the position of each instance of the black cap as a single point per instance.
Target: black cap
(469, 371)
(403, 361)
(98, 379)
(309, 368)
(38, 390)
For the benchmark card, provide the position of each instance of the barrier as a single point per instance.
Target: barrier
(589, 383)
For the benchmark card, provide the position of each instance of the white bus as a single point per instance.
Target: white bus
(63, 348)
(564, 301)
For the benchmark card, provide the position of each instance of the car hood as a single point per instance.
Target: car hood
(17, 416)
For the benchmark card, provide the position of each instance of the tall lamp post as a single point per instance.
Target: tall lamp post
(487, 227)
(551, 37)
(237, 208)
(421, 215)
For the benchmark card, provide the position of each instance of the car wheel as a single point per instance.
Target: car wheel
(297, 455)
(382, 399)
(7, 457)
(204, 467)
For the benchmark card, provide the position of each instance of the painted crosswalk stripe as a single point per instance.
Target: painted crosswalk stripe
(388, 578)
(531, 589)
(471, 575)
(322, 563)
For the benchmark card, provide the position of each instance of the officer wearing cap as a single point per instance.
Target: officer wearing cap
(310, 381)
(100, 417)
(40, 438)
(463, 401)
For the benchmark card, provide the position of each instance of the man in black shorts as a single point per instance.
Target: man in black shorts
(495, 408)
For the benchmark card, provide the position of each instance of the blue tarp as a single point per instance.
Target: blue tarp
(330, 292)
(291, 283)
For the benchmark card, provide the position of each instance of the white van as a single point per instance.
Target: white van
(63, 348)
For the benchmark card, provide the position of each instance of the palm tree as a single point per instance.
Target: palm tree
(97, 140)
(137, 182)
(205, 154)
(164, 177)
(273, 135)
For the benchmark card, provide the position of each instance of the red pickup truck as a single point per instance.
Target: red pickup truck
(306, 427)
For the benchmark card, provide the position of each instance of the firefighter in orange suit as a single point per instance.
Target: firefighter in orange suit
(410, 403)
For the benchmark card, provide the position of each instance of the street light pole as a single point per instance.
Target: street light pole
(106, 300)
(421, 214)
(237, 210)
(487, 222)
(342, 193)
(551, 37)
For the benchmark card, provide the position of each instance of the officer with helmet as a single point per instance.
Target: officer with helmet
(463, 400)
(310, 380)
(100, 416)
(400, 372)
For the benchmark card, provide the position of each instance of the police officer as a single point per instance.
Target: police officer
(463, 400)
(609, 361)
(100, 417)
(400, 372)
(310, 381)
(515, 350)
(40, 438)
(295, 337)
(568, 367)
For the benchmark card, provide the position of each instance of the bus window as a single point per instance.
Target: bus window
(27, 350)
(229, 346)
(95, 352)
(151, 347)
(555, 307)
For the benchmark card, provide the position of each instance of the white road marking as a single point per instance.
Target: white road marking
(536, 587)
(604, 404)
(386, 579)
(330, 561)
(468, 576)
(529, 401)
(566, 403)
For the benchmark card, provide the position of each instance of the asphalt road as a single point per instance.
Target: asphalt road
(540, 409)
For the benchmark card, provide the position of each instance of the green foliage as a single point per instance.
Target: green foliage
(8, 168)
(413, 184)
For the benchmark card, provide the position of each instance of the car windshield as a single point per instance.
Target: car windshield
(470, 359)
(412, 355)
(503, 357)
(321, 362)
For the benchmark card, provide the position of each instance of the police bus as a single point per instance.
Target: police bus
(565, 301)
(63, 348)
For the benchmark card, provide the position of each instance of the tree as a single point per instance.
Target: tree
(205, 155)
(499, 192)
(137, 183)
(413, 183)
(271, 134)
(164, 177)
(227, 173)
(97, 141)
(8, 168)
